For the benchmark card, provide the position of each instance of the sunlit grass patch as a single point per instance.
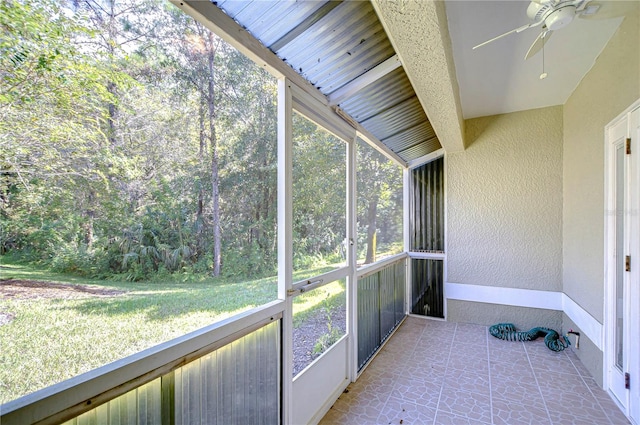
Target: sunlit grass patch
(328, 296)
(50, 340)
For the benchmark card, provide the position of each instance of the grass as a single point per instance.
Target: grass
(329, 297)
(51, 340)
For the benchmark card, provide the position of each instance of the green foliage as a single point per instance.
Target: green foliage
(77, 259)
(35, 51)
(379, 203)
(319, 193)
(106, 157)
(249, 261)
(106, 153)
(327, 340)
(333, 334)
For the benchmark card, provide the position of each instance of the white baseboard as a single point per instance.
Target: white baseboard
(589, 326)
(530, 298)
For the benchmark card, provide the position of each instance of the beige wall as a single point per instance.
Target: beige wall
(489, 314)
(608, 89)
(589, 354)
(526, 198)
(504, 200)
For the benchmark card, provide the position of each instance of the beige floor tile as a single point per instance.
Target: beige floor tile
(418, 391)
(445, 418)
(468, 381)
(442, 373)
(401, 411)
(517, 392)
(519, 373)
(517, 413)
(467, 404)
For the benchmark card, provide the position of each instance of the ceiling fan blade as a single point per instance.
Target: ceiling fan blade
(540, 41)
(520, 29)
(607, 9)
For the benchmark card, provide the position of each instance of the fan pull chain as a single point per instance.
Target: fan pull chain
(544, 74)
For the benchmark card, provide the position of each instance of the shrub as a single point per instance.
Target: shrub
(78, 259)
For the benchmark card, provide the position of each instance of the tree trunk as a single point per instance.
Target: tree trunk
(90, 214)
(200, 206)
(371, 230)
(112, 88)
(215, 179)
(113, 111)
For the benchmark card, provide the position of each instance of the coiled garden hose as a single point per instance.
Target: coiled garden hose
(552, 339)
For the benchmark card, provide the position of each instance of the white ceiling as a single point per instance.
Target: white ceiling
(496, 79)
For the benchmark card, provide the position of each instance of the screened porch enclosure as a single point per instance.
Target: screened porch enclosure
(231, 372)
(427, 242)
(335, 89)
(241, 370)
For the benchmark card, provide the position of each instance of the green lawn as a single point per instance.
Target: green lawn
(51, 340)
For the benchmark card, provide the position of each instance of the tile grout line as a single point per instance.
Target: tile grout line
(537, 383)
(415, 345)
(531, 354)
(489, 374)
(589, 389)
(444, 376)
(413, 352)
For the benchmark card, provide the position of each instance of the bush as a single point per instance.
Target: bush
(327, 340)
(78, 259)
(249, 261)
(307, 261)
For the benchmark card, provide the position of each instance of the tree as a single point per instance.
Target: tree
(198, 61)
(121, 30)
(378, 181)
(141, 143)
(48, 97)
(248, 134)
(319, 190)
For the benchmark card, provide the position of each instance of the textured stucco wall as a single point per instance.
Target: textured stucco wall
(590, 356)
(504, 202)
(411, 23)
(608, 89)
(612, 84)
(489, 314)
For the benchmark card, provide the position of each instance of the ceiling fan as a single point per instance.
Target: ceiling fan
(551, 15)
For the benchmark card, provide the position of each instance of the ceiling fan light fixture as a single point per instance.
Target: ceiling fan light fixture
(560, 18)
(536, 10)
(552, 15)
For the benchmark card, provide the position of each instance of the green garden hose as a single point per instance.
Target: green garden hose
(552, 340)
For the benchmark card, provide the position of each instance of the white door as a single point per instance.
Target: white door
(623, 262)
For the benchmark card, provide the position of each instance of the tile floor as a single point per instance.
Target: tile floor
(444, 373)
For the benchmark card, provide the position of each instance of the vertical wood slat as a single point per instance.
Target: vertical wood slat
(231, 378)
(380, 308)
(427, 207)
(368, 317)
(237, 383)
(427, 287)
(140, 406)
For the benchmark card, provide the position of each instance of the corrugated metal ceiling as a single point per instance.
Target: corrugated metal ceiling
(342, 49)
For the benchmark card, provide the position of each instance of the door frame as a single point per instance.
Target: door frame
(631, 335)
